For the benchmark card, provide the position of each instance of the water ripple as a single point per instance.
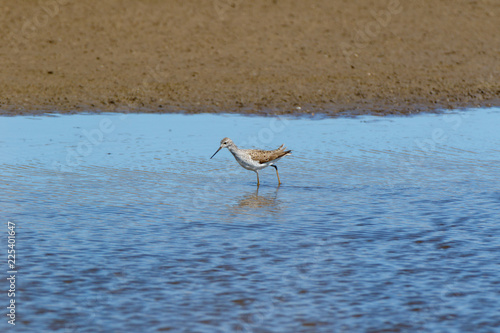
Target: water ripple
(375, 227)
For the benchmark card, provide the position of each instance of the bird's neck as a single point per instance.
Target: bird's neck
(233, 148)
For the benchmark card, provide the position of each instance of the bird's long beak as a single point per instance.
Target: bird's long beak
(216, 152)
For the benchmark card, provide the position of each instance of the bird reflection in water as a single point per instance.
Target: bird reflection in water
(253, 200)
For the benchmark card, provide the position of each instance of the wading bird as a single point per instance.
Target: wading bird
(254, 159)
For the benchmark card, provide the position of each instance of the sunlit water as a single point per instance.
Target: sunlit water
(381, 224)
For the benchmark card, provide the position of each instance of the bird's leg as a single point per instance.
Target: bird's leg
(258, 183)
(277, 174)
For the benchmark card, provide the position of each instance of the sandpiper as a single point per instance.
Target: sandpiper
(254, 159)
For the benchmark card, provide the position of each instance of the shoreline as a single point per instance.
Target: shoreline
(293, 112)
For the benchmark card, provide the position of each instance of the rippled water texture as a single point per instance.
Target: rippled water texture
(381, 224)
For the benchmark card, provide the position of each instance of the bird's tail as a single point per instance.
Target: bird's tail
(283, 149)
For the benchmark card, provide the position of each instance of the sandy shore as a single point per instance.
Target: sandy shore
(263, 56)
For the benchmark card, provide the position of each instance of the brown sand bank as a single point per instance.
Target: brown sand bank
(384, 56)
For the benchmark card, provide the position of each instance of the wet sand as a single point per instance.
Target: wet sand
(260, 56)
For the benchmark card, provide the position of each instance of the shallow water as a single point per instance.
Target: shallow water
(381, 224)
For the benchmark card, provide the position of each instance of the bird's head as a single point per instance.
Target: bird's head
(224, 143)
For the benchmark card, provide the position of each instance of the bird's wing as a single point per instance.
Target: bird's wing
(264, 156)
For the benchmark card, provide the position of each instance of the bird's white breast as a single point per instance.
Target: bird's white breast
(245, 161)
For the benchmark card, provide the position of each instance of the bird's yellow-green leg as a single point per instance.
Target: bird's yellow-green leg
(258, 183)
(277, 174)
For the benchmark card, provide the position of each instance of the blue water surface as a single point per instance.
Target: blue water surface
(381, 224)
